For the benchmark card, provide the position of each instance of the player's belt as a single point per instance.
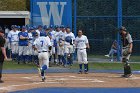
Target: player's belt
(42, 51)
(82, 48)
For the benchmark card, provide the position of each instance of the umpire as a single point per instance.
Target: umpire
(127, 45)
(2, 52)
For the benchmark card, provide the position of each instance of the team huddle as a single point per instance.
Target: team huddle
(43, 44)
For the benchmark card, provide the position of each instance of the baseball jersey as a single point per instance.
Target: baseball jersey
(13, 36)
(72, 37)
(81, 42)
(25, 41)
(30, 38)
(57, 35)
(42, 43)
(38, 32)
(127, 40)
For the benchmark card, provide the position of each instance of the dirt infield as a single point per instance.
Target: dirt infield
(14, 82)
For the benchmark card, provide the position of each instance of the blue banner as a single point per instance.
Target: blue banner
(51, 12)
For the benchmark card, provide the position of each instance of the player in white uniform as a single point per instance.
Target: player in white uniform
(82, 43)
(13, 40)
(57, 35)
(69, 46)
(43, 45)
(53, 41)
(39, 30)
(61, 50)
(30, 44)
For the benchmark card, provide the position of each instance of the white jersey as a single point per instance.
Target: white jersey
(57, 35)
(81, 42)
(38, 32)
(42, 43)
(30, 38)
(13, 36)
(71, 35)
(53, 34)
(62, 35)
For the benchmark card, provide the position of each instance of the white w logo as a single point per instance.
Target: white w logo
(54, 11)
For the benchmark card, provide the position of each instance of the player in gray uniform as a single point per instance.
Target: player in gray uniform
(127, 45)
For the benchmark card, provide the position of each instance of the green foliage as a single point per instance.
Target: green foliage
(13, 5)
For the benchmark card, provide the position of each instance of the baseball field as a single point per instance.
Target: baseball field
(102, 76)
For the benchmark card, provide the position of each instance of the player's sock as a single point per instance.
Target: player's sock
(59, 58)
(80, 67)
(13, 55)
(85, 67)
(63, 60)
(54, 57)
(44, 67)
(50, 58)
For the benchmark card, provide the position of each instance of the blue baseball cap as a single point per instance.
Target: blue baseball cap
(18, 27)
(62, 26)
(51, 26)
(23, 27)
(56, 26)
(40, 26)
(46, 27)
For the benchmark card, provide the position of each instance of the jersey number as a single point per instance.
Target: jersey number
(42, 42)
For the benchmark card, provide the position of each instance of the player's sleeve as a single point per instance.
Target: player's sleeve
(130, 38)
(86, 40)
(73, 36)
(35, 42)
(9, 36)
(48, 41)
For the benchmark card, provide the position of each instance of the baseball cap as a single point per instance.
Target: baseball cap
(23, 27)
(62, 26)
(46, 27)
(123, 28)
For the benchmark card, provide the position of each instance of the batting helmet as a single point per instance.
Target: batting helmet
(68, 39)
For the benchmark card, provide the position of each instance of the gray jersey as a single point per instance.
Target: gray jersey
(127, 40)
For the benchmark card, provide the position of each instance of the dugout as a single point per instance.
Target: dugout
(14, 18)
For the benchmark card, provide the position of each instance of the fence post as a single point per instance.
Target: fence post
(75, 17)
(119, 25)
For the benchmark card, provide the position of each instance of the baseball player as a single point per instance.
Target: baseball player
(43, 45)
(53, 41)
(13, 39)
(82, 43)
(69, 46)
(29, 48)
(57, 35)
(61, 47)
(23, 44)
(127, 45)
(39, 30)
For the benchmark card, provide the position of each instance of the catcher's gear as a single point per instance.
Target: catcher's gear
(123, 28)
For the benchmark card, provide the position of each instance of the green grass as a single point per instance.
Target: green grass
(14, 65)
(109, 66)
(93, 65)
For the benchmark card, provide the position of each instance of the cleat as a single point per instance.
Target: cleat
(80, 72)
(123, 75)
(43, 79)
(1, 81)
(86, 72)
(106, 55)
(129, 75)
